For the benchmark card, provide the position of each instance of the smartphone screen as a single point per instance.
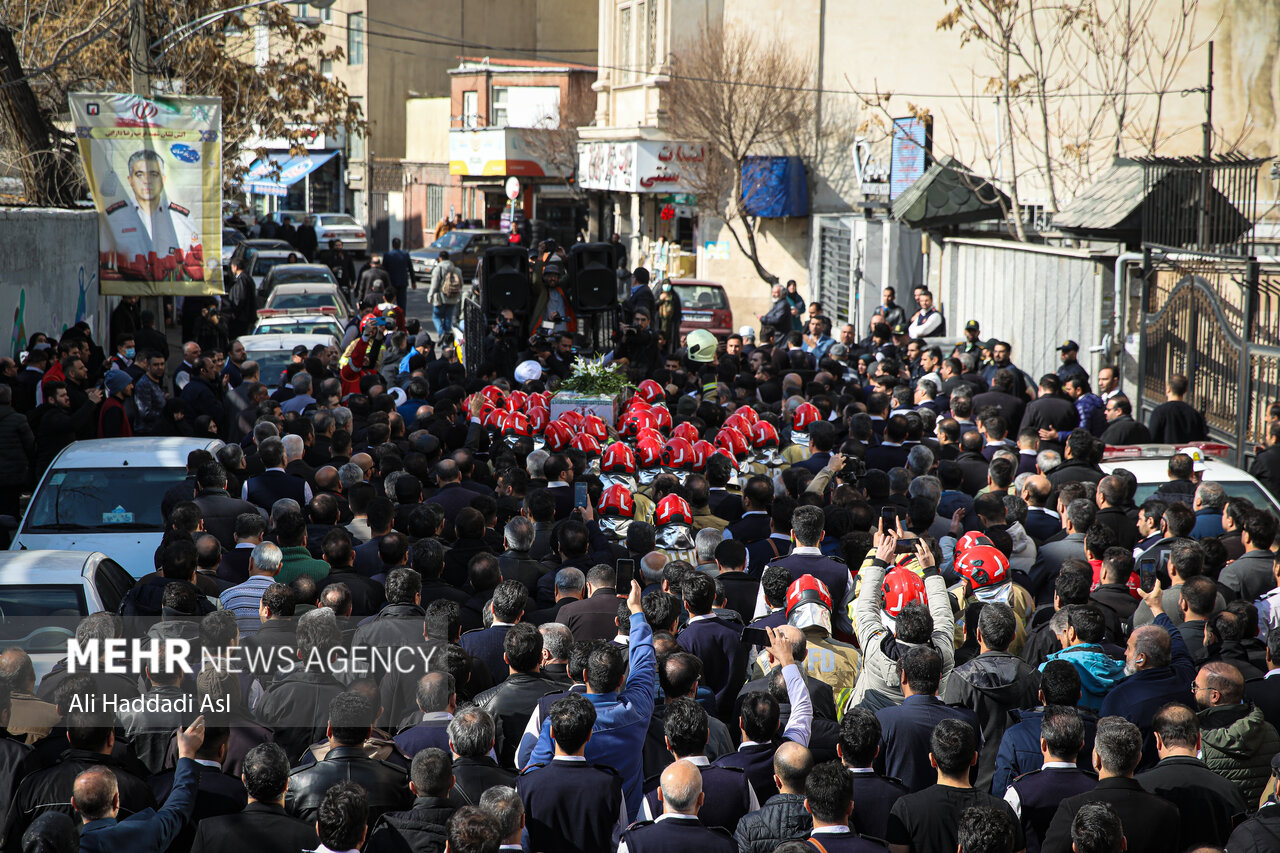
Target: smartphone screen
(755, 637)
(1147, 573)
(906, 546)
(579, 494)
(889, 515)
(626, 571)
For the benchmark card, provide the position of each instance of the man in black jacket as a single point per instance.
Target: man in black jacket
(296, 704)
(55, 425)
(400, 623)
(263, 826)
(220, 510)
(512, 701)
(515, 563)
(421, 829)
(1121, 427)
(783, 817)
(472, 734)
(18, 449)
(350, 723)
(143, 605)
(1176, 421)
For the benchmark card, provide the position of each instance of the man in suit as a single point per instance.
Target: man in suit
(273, 483)
(715, 642)
(436, 700)
(822, 437)
(515, 563)
(516, 698)
(1003, 396)
(1035, 795)
(1151, 823)
(873, 794)
(906, 729)
(96, 798)
(217, 793)
(757, 500)
(1042, 523)
(263, 825)
(451, 496)
(219, 509)
(509, 601)
(559, 473)
(828, 797)
(593, 617)
(892, 452)
(1265, 692)
(682, 795)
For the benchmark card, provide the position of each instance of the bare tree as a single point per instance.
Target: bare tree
(198, 47)
(740, 96)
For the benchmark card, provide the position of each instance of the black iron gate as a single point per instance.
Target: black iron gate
(1216, 320)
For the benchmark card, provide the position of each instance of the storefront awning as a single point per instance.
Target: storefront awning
(288, 170)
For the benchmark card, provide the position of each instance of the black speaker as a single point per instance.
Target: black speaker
(593, 276)
(506, 279)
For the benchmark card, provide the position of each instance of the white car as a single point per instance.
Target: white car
(45, 594)
(274, 352)
(1150, 464)
(298, 324)
(340, 226)
(312, 298)
(105, 495)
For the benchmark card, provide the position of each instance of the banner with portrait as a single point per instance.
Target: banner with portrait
(155, 173)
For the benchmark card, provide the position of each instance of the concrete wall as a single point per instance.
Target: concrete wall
(427, 130)
(52, 289)
(1031, 296)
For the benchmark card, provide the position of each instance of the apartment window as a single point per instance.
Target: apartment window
(355, 142)
(355, 38)
(326, 68)
(651, 37)
(471, 109)
(498, 108)
(626, 45)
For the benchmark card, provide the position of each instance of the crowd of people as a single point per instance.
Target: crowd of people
(795, 592)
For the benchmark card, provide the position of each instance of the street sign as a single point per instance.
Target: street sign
(513, 187)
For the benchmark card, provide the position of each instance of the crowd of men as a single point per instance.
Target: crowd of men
(795, 593)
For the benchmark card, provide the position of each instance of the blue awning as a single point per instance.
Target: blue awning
(259, 180)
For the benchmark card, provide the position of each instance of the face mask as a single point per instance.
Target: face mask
(129, 353)
(666, 288)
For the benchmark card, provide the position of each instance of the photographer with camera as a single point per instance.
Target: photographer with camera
(637, 342)
(502, 343)
(553, 304)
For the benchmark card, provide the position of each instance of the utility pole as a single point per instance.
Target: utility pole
(1207, 154)
(139, 51)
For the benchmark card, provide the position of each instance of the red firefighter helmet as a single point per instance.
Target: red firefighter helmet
(516, 401)
(540, 399)
(661, 417)
(515, 424)
(618, 459)
(732, 441)
(685, 430)
(586, 443)
(635, 422)
(764, 435)
(677, 453)
(617, 500)
(806, 414)
(637, 402)
(702, 451)
(983, 566)
(648, 452)
(493, 394)
(493, 418)
(651, 392)
(572, 420)
(807, 589)
(594, 427)
(539, 417)
(749, 414)
(558, 435)
(672, 509)
(901, 587)
(738, 422)
(969, 540)
(652, 434)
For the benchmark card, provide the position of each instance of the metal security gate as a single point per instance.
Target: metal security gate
(834, 270)
(1215, 320)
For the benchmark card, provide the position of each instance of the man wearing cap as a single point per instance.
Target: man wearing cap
(112, 420)
(971, 343)
(553, 303)
(1070, 368)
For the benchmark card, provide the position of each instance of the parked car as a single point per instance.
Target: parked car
(704, 305)
(299, 324)
(1150, 464)
(230, 239)
(262, 261)
(246, 247)
(313, 298)
(45, 594)
(274, 352)
(295, 274)
(104, 495)
(341, 226)
(465, 247)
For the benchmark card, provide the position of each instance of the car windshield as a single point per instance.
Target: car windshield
(338, 221)
(303, 276)
(231, 237)
(1233, 488)
(700, 296)
(102, 499)
(298, 327)
(40, 617)
(454, 241)
(271, 364)
(293, 301)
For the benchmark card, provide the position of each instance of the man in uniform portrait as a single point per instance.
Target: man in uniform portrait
(149, 237)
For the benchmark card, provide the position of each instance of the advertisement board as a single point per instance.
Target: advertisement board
(644, 166)
(154, 167)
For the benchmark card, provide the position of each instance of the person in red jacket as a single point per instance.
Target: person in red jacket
(113, 422)
(362, 356)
